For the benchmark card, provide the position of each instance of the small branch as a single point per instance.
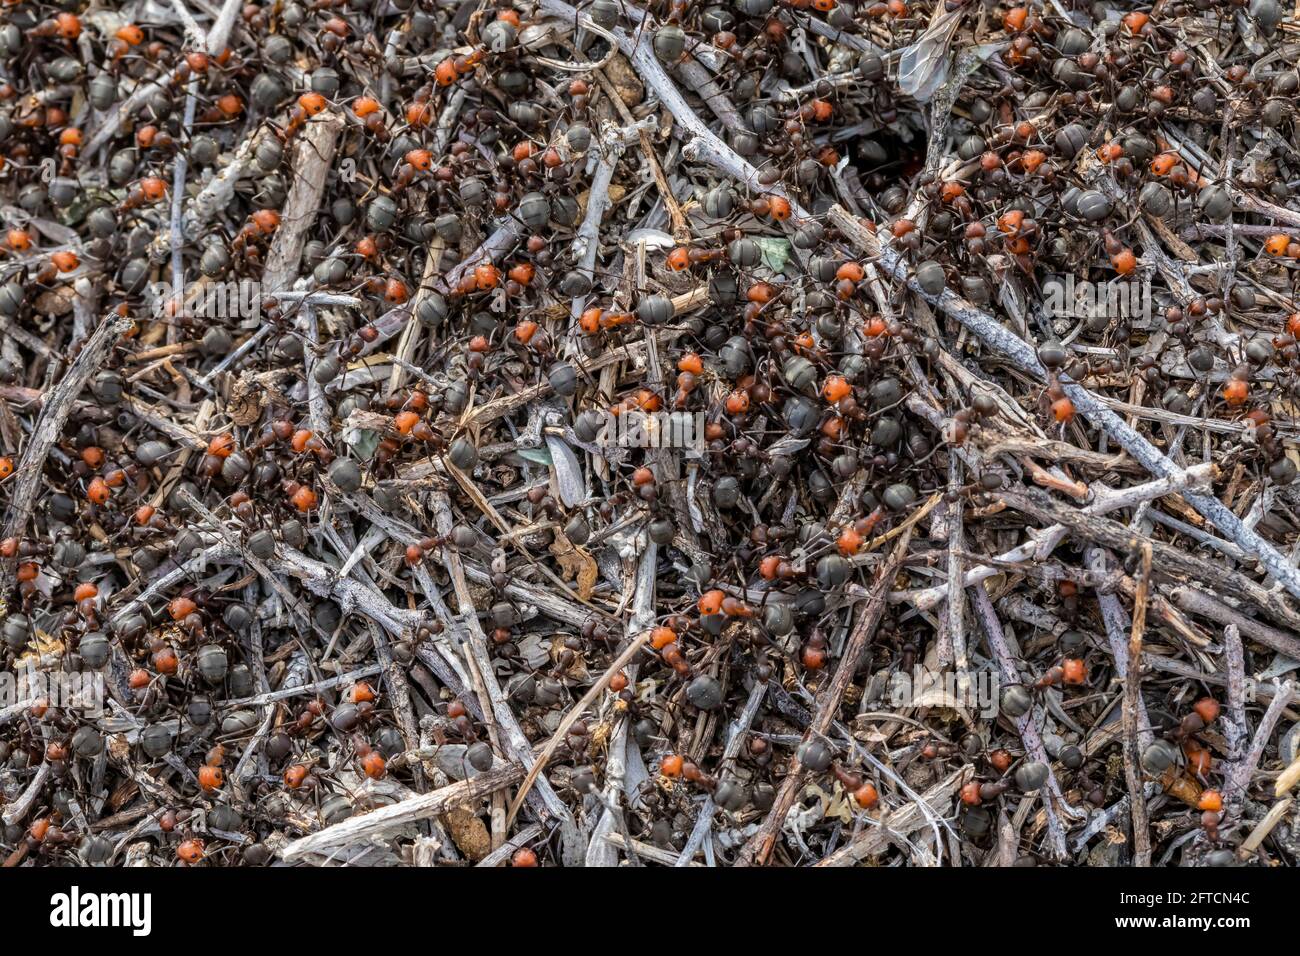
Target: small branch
(757, 849)
(18, 808)
(1026, 724)
(312, 160)
(735, 738)
(952, 646)
(1045, 542)
(1131, 713)
(367, 826)
(1234, 724)
(900, 822)
(1238, 784)
(49, 425)
(1002, 340)
(1171, 562)
(1112, 616)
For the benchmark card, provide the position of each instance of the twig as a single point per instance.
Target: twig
(1239, 778)
(1171, 563)
(412, 809)
(757, 849)
(1026, 724)
(1046, 540)
(1234, 724)
(1132, 713)
(952, 647)
(1112, 615)
(899, 822)
(17, 809)
(735, 738)
(313, 159)
(49, 425)
(999, 338)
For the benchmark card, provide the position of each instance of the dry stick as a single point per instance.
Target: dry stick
(1200, 603)
(435, 654)
(647, 850)
(1025, 723)
(166, 578)
(589, 232)
(504, 238)
(1234, 721)
(16, 709)
(1112, 616)
(253, 646)
(1287, 779)
(952, 641)
(641, 621)
(900, 822)
(472, 671)
(219, 33)
(178, 202)
(1046, 540)
(1265, 826)
(515, 742)
(298, 690)
(446, 120)
(399, 690)
(1002, 340)
(18, 808)
(641, 130)
(552, 605)
(312, 160)
(1239, 779)
(694, 69)
(290, 600)
(705, 145)
(218, 192)
(412, 809)
(196, 32)
(49, 425)
(1171, 562)
(481, 674)
(502, 853)
(574, 713)
(737, 737)
(829, 696)
(350, 595)
(1131, 714)
(119, 115)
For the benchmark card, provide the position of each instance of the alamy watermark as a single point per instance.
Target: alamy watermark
(241, 299)
(1083, 299)
(638, 429)
(79, 691)
(77, 909)
(976, 692)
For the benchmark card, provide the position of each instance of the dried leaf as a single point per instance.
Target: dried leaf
(576, 563)
(538, 456)
(568, 472)
(576, 668)
(55, 302)
(628, 85)
(246, 400)
(469, 833)
(363, 442)
(923, 66)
